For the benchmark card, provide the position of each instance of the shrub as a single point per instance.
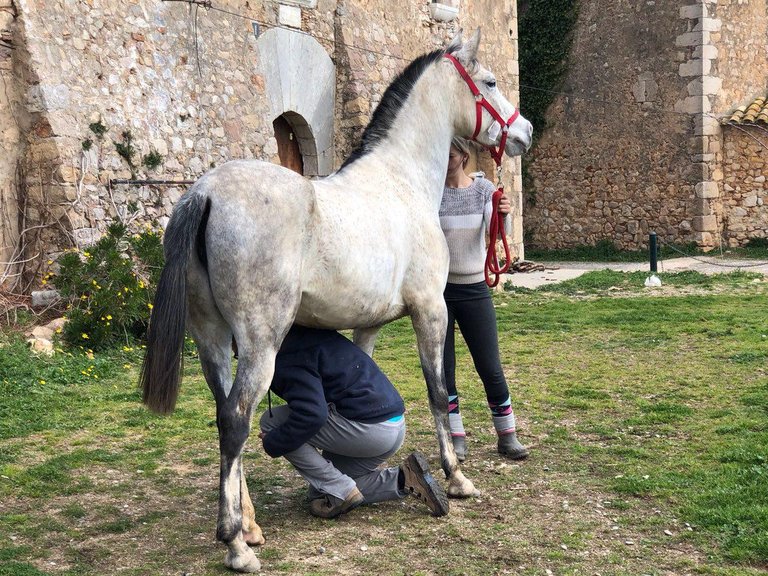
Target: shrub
(110, 287)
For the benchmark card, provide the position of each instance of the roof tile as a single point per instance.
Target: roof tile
(756, 112)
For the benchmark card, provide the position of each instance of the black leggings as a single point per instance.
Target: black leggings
(471, 307)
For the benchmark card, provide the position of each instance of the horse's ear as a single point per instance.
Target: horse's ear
(468, 51)
(455, 44)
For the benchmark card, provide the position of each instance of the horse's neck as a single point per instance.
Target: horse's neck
(417, 144)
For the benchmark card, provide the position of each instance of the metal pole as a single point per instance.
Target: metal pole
(653, 248)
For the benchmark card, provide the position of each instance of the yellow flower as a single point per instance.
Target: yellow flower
(58, 330)
(84, 336)
(126, 366)
(141, 284)
(109, 316)
(150, 306)
(44, 282)
(50, 261)
(42, 381)
(96, 376)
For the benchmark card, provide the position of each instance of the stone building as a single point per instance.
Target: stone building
(192, 84)
(642, 138)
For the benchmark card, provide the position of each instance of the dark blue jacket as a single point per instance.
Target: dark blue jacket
(315, 368)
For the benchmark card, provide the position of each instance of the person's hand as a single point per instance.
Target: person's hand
(505, 206)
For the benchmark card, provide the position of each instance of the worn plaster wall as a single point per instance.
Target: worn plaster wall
(189, 83)
(614, 163)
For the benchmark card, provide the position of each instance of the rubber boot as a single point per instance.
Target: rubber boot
(510, 447)
(460, 446)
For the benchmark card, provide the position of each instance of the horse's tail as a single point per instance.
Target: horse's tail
(161, 371)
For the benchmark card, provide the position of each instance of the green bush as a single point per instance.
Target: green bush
(110, 287)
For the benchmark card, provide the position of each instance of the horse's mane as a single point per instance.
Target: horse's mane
(391, 103)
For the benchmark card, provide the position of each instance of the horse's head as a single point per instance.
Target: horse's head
(486, 114)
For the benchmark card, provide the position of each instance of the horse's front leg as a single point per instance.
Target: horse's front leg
(430, 322)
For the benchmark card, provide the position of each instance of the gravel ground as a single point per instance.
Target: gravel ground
(559, 271)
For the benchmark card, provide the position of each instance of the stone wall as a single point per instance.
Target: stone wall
(11, 128)
(742, 42)
(614, 161)
(745, 197)
(742, 66)
(193, 85)
(639, 146)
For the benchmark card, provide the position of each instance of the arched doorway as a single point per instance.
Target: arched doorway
(288, 145)
(300, 84)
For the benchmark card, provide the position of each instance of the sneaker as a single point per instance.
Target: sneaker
(328, 506)
(460, 447)
(421, 484)
(510, 447)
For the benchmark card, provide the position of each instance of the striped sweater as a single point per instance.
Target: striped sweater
(465, 215)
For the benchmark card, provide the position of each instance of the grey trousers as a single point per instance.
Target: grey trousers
(352, 455)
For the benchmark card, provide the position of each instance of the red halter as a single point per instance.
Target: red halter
(480, 103)
(496, 228)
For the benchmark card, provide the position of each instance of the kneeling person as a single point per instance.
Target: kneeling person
(340, 403)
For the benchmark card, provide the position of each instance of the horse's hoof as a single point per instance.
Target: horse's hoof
(243, 562)
(254, 537)
(461, 487)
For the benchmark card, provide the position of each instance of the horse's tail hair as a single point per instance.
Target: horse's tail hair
(161, 371)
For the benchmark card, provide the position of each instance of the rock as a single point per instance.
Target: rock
(42, 298)
(56, 324)
(41, 346)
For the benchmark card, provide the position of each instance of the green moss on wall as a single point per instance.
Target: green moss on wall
(546, 31)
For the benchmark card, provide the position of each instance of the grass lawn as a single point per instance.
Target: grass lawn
(646, 414)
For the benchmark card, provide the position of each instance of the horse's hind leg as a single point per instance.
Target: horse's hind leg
(233, 415)
(234, 404)
(251, 531)
(365, 338)
(429, 322)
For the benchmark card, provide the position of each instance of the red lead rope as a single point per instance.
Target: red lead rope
(496, 231)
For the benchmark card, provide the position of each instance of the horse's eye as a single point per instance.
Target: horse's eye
(490, 83)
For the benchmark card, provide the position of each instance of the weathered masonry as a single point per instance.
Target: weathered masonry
(639, 143)
(97, 91)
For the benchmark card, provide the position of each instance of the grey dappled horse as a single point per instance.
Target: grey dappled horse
(253, 247)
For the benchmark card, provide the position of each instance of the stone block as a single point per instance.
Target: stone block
(707, 190)
(691, 68)
(705, 223)
(708, 25)
(705, 86)
(289, 16)
(706, 52)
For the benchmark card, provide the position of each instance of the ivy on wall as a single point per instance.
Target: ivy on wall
(546, 31)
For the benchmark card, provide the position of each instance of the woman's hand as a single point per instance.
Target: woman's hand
(505, 206)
